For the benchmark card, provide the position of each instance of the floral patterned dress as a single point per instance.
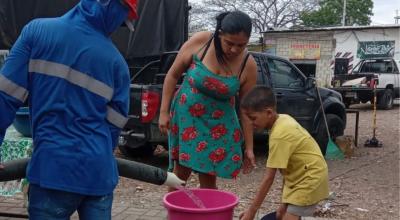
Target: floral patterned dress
(205, 133)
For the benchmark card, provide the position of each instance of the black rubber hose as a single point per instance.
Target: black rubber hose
(16, 169)
(139, 171)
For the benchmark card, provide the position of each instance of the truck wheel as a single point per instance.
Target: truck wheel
(336, 128)
(134, 147)
(385, 101)
(347, 103)
(130, 152)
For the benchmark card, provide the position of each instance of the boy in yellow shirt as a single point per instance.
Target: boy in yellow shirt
(294, 152)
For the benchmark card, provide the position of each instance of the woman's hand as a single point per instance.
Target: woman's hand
(163, 122)
(249, 161)
(247, 215)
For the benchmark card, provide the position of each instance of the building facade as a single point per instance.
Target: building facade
(322, 52)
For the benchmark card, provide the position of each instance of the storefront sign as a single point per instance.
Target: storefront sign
(305, 51)
(369, 49)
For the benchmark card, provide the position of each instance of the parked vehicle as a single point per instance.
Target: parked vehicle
(359, 85)
(163, 26)
(144, 51)
(296, 96)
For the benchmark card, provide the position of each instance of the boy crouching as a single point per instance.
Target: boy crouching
(293, 151)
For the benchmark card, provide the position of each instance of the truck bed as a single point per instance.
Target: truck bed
(359, 80)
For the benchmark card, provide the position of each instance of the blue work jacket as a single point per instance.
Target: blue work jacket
(76, 84)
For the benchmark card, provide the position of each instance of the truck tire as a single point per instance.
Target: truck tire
(336, 128)
(385, 101)
(129, 152)
(347, 103)
(134, 147)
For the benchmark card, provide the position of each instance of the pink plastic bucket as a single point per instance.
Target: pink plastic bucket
(219, 205)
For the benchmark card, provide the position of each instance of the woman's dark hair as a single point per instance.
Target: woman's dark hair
(259, 98)
(232, 23)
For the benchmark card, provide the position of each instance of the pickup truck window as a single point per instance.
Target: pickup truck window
(377, 66)
(263, 75)
(284, 76)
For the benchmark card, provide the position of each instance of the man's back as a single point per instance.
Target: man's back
(78, 83)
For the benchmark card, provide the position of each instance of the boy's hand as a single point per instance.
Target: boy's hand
(249, 161)
(247, 215)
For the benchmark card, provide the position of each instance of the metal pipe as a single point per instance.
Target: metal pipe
(344, 13)
(16, 169)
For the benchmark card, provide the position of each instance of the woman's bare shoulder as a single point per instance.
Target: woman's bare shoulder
(196, 42)
(201, 37)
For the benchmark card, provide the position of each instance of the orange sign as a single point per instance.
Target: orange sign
(305, 51)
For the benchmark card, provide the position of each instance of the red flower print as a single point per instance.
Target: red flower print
(175, 152)
(218, 114)
(184, 157)
(217, 155)
(195, 91)
(236, 158)
(174, 129)
(192, 66)
(209, 83)
(171, 113)
(197, 110)
(216, 85)
(237, 135)
(235, 173)
(222, 88)
(201, 146)
(232, 101)
(182, 100)
(218, 131)
(189, 133)
(191, 81)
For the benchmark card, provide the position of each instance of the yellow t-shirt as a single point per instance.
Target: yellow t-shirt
(295, 152)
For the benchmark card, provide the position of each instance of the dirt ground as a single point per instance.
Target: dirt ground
(365, 186)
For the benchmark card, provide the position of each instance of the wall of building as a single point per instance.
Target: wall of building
(332, 44)
(285, 41)
(347, 42)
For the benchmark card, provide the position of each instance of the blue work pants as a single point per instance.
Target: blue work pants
(49, 204)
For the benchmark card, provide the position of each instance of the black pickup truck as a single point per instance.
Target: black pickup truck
(296, 96)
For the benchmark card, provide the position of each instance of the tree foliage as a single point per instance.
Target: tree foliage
(264, 13)
(329, 13)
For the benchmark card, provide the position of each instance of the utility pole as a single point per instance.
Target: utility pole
(344, 13)
(397, 18)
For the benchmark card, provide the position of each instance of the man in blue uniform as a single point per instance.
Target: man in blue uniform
(77, 85)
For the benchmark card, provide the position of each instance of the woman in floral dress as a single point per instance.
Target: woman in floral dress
(204, 132)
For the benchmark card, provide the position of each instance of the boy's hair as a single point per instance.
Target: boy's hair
(259, 98)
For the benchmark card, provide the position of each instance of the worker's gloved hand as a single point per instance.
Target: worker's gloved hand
(173, 181)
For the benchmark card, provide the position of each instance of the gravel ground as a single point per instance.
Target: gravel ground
(365, 186)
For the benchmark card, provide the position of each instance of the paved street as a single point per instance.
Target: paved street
(366, 185)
